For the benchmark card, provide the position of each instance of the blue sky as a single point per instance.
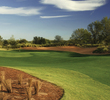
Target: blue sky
(48, 18)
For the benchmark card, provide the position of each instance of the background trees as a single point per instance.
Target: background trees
(100, 30)
(22, 41)
(1, 40)
(106, 27)
(39, 40)
(96, 32)
(81, 36)
(58, 38)
(5, 42)
(12, 41)
(95, 28)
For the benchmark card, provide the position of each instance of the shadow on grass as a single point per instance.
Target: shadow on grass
(70, 54)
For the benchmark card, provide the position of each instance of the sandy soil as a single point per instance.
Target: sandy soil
(68, 48)
(48, 90)
(65, 48)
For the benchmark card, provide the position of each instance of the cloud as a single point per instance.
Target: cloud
(21, 11)
(72, 5)
(54, 16)
(91, 12)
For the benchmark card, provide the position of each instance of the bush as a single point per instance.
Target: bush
(87, 45)
(0, 46)
(23, 45)
(105, 49)
(102, 49)
(95, 45)
(78, 45)
(98, 50)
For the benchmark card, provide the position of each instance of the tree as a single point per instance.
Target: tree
(58, 38)
(107, 40)
(12, 41)
(22, 41)
(96, 29)
(5, 42)
(81, 36)
(35, 40)
(12, 38)
(106, 27)
(42, 40)
(39, 40)
(100, 30)
(1, 40)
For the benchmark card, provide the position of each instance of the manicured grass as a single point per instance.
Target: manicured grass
(83, 77)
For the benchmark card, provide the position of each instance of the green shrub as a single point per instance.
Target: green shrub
(95, 45)
(0, 46)
(98, 50)
(28, 45)
(86, 45)
(78, 45)
(102, 49)
(23, 45)
(105, 49)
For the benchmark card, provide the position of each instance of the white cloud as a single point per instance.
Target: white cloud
(54, 16)
(72, 5)
(91, 12)
(21, 11)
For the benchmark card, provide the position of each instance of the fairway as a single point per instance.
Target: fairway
(82, 76)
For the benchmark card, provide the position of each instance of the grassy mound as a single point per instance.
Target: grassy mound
(83, 77)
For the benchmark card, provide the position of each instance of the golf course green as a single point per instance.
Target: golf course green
(83, 77)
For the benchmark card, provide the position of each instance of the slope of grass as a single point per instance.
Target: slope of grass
(14, 54)
(83, 77)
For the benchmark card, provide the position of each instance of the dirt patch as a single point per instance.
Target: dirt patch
(48, 90)
(68, 48)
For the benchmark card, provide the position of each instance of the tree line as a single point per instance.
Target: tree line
(97, 32)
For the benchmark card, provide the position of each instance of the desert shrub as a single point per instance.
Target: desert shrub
(34, 45)
(98, 50)
(23, 45)
(28, 45)
(18, 45)
(0, 46)
(78, 45)
(90, 45)
(86, 45)
(46, 45)
(95, 45)
(101, 49)
(69, 44)
(108, 47)
(105, 49)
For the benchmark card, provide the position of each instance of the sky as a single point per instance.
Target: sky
(26, 19)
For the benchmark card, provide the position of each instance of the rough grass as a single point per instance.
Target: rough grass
(83, 77)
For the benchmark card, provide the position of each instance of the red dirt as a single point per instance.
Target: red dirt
(68, 48)
(18, 92)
